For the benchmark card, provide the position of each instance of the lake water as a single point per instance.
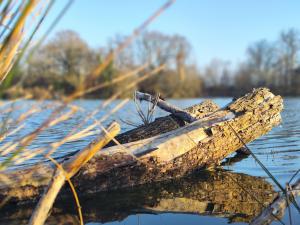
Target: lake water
(231, 195)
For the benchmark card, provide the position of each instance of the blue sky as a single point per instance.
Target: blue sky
(215, 28)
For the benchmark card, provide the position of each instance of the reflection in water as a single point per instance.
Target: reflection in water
(218, 193)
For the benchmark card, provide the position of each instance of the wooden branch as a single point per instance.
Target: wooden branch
(277, 208)
(182, 114)
(69, 169)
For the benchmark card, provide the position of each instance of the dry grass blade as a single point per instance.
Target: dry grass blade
(19, 123)
(26, 45)
(59, 167)
(8, 149)
(88, 131)
(108, 83)
(27, 154)
(63, 117)
(5, 12)
(97, 71)
(42, 39)
(254, 197)
(153, 72)
(12, 18)
(55, 21)
(19, 146)
(13, 40)
(278, 207)
(12, 132)
(266, 170)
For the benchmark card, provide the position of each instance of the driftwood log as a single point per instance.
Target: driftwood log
(173, 154)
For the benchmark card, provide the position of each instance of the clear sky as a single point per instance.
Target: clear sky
(215, 28)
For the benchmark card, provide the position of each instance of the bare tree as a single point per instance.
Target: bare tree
(261, 61)
(242, 78)
(214, 72)
(289, 44)
(156, 48)
(65, 59)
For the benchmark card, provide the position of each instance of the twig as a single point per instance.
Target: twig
(166, 106)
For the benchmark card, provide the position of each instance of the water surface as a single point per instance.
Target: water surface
(204, 198)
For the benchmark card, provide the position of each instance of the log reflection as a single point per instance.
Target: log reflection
(218, 193)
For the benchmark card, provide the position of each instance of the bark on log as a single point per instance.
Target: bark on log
(170, 155)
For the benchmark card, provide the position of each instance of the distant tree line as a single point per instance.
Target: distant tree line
(60, 67)
(271, 64)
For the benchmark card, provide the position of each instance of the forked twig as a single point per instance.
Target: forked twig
(182, 114)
